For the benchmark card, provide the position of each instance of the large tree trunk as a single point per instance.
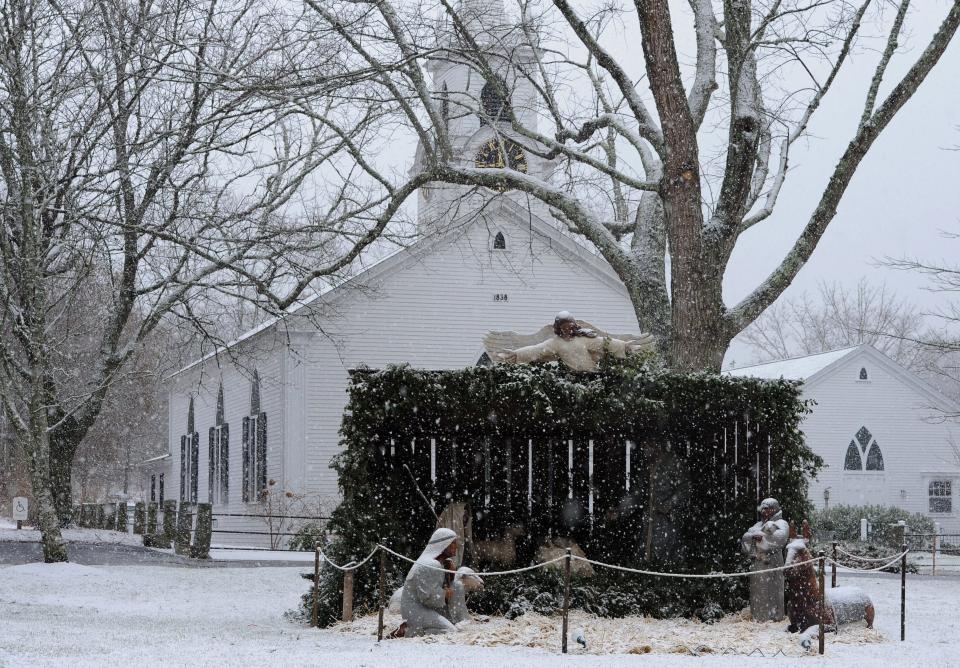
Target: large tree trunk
(62, 451)
(38, 451)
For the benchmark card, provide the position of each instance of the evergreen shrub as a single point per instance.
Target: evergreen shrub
(689, 417)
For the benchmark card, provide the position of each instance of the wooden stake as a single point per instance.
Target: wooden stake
(833, 567)
(903, 592)
(383, 594)
(933, 570)
(315, 613)
(566, 599)
(348, 596)
(823, 601)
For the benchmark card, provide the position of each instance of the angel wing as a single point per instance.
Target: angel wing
(498, 342)
(635, 342)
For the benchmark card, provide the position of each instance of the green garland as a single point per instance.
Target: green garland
(623, 400)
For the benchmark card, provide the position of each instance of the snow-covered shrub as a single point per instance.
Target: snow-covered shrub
(307, 537)
(842, 522)
(467, 435)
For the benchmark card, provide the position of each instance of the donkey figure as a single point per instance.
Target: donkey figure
(842, 606)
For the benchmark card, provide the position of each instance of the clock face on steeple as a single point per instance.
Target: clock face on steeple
(499, 154)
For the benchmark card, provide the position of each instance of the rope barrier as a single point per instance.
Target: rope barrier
(869, 570)
(542, 564)
(349, 566)
(859, 558)
(701, 576)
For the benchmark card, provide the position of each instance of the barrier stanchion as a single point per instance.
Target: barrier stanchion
(315, 612)
(833, 567)
(566, 599)
(903, 592)
(383, 594)
(348, 596)
(823, 597)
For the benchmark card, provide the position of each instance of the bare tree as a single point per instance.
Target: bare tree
(675, 183)
(838, 317)
(152, 167)
(944, 276)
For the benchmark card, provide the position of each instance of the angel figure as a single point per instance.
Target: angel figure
(577, 343)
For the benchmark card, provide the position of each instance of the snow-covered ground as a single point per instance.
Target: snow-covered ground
(10, 534)
(30, 535)
(67, 614)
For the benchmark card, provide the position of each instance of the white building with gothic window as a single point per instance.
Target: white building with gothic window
(881, 431)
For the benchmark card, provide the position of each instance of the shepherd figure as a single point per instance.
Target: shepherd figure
(764, 543)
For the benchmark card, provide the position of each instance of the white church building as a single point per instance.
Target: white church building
(269, 407)
(881, 431)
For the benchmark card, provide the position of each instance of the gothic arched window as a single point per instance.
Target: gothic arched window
(863, 373)
(494, 106)
(254, 446)
(484, 360)
(189, 456)
(863, 453)
(219, 455)
(499, 242)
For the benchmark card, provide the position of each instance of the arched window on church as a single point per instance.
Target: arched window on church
(484, 360)
(189, 459)
(499, 242)
(219, 455)
(494, 106)
(863, 373)
(863, 453)
(254, 446)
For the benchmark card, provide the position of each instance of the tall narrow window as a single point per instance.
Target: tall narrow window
(254, 447)
(499, 242)
(153, 487)
(941, 496)
(189, 459)
(160, 494)
(219, 457)
(863, 453)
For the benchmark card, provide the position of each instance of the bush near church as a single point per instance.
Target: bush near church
(695, 421)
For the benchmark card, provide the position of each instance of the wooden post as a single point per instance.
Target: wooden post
(315, 611)
(833, 567)
(823, 602)
(566, 599)
(383, 594)
(903, 592)
(348, 596)
(934, 565)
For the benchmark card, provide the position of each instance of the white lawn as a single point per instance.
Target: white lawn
(73, 615)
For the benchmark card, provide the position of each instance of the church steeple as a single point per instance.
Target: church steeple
(478, 104)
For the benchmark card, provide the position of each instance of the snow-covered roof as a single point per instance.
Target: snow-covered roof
(794, 368)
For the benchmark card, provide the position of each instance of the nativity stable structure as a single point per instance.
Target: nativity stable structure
(881, 430)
